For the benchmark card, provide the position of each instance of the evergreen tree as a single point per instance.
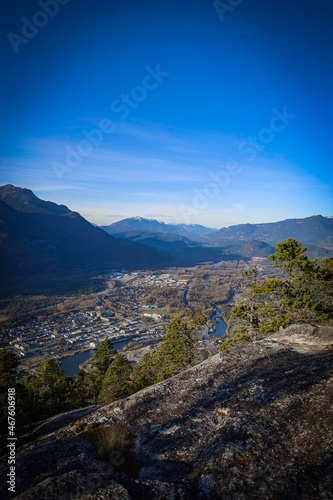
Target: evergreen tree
(80, 395)
(249, 312)
(49, 389)
(117, 380)
(103, 356)
(8, 369)
(10, 378)
(177, 352)
(303, 292)
(93, 379)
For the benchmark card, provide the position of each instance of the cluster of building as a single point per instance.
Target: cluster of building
(79, 330)
(82, 330)
(160, 280)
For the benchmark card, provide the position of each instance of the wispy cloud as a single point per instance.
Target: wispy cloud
(157, 215)
(146, 168)
(115, 215)
(54, 187)
(234, 209)
(151, 195)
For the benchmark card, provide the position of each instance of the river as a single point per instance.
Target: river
(70, 364)
(221, 327)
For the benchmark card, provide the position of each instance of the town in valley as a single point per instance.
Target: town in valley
(132, 309)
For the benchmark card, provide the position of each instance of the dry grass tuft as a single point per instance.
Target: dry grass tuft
(115, 444)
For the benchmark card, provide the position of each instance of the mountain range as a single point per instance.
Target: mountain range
(42, 239)
(317, 230)
(191, 231)
(243, 240)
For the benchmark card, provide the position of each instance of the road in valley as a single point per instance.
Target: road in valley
(206, 341)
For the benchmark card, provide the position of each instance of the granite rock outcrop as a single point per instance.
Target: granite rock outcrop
(254, 422)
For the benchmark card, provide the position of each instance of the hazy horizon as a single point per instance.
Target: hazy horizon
(172, 221)
(162, 218)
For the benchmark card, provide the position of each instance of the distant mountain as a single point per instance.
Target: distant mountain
(315, 230)
(40, 239)
(163, 241)
(184, 251)
(317, 252)
(191, 231)
(254, 248)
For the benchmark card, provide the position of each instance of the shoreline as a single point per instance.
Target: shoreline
(223, 318)
(226, 322)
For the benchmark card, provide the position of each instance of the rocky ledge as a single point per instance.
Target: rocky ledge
(254, 422)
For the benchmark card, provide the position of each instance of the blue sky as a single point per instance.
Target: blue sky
(173, 110)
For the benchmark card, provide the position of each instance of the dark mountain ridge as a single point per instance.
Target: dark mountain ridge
(42, 239)
(24, 200)
(162, 240)
(255, 248)
(316, 230)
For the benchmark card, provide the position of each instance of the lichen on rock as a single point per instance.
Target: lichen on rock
(252, 422)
